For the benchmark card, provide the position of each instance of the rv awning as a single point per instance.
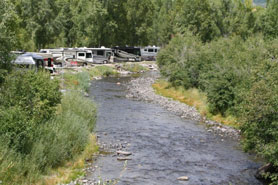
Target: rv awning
(33, 55)
(24, 60)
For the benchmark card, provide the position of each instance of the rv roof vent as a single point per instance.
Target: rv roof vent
(102, 47)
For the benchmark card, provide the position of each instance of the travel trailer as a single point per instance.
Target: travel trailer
(149, 53)
(101, 55)
(80, 54)
(63, 54)
(29, 61)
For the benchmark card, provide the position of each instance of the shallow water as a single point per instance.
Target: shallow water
(164, 146)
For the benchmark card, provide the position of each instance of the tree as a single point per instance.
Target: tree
(8, 26)
(269, 20)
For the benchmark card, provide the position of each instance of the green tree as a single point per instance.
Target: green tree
(269, 20)
(8, 27)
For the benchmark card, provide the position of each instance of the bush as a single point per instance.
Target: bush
(102, 71)
(79, 81)
(239, 78)
(27, 100)
(39, 130)
(260, 114)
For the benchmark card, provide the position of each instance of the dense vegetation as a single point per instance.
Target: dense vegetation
(40, 128)
(235, 63)
(228, 49)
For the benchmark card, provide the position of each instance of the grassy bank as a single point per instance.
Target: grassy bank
(192, 97)
(45, 136)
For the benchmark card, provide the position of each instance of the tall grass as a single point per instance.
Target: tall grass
(102, 71)
(135, 68)
(79, 81)
(193, 97)
(49, 144)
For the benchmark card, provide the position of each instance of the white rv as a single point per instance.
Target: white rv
(63, 54)
(101, 55)
(149, 53)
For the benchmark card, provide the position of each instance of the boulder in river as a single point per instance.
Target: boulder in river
(123, 158)
(123, 153)
(183, 178)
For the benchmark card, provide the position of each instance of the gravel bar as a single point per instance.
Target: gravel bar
(141, 89)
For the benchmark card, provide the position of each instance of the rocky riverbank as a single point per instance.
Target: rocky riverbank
(141, 89)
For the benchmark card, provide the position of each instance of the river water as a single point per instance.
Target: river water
(164, 146)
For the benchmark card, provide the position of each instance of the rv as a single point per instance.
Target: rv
(29, 61)
(149, 53)
(63, 54)
(127, 53)
(101, 55)
(80, 54)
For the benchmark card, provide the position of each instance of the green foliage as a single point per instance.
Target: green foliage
(239, 78)
(135, 68)
(260, 114)
(27, 99)
(35, 135)
(8, 28)
(99, 71)
(77, 81)
(269, 20)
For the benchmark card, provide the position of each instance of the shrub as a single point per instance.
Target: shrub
(58, 140)
(79, 81)
(27, 99)
(260, 115)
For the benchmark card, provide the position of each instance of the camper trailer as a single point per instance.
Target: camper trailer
(101, 55)
(29, 61)
(149, 53)
(64, 54)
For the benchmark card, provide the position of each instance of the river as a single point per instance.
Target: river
(163, 145)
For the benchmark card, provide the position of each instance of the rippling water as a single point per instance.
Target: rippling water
(164, 146)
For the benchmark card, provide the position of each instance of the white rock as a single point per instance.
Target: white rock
(123, 158)
(123, 153)
(183, 178)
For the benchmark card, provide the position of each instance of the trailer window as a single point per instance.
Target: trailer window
(81, 54)
(108, 54)
(100, 52)
(88, 55)
(155, 50)
(150, 50)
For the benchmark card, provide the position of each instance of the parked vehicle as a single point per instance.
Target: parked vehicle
(80, 54)
(127, 54)
(48, 61)
(64, 54)
(149, 53)
(74, 62)
(101, 55)
(29, 61)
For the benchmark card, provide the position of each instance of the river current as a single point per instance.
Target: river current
(163, 145)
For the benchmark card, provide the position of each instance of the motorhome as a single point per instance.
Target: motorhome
(149, 53)
(55, 52)
(101, 55)
(80, 54)
(127, 53)
(63, 54)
